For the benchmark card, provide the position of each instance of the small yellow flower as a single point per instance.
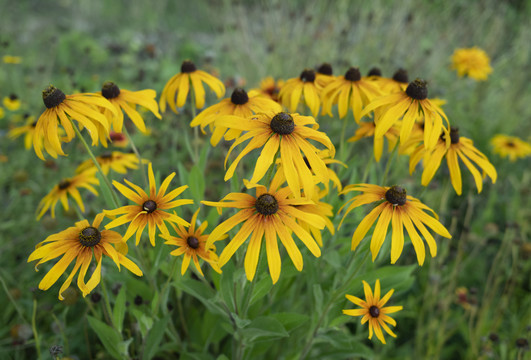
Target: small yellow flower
(324, 75)
(192, 243)
(80, 242)
(510, 146)
(399, 209)
(303, 86)
(367, 129)
(176, 89)
(373, 310)
(28, 129)
(12, 102)
(472, 62)
(68, 186)
(149, 209)
(127, 100)
(9, 59)
(2, 112)
(270, 88)
(116, 160)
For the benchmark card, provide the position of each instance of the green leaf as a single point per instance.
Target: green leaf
(226, 286)
(201, 292)
(106, 192)
(144, 322)
(261, 289)
(109, 337)
(154, 338)
(196, 180)
(264, 328)
(318, 296)
(118, 312)
(291, 321)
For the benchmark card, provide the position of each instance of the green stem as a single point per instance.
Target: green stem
(12, 300)
(137, 153)
(34, 328)
(388, 165)
(333, 298)
(166, 285)
(107, 308)
(97, 164)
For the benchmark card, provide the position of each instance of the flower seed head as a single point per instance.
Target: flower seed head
(188, 67)
(396, 195)
(89, 236)
(52, 97)
(401, 76)
(110, 90)
(192, 242)
(417, 89)
(239, 97)
(375, 71)
(64, 184)
(266, 204)
(308, 75)
(374, 311)
(149, 206)
(282, 123)
(353, 74)
(325, 69)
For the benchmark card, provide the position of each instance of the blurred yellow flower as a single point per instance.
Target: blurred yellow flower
(304, 86)
(28, 129)
(9, 59)
(510, 146)
(116, 160)
(12, 102)
(472, 62)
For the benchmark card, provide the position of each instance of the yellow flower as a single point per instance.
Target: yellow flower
(9, 59)
(118, 139)
(460, 148)
(271, 213)
(79, 243)
(241, 104)
(397, 83)
(2, 112)
(127, 100)
(373, 310)
(402, 210)
(192, 243)
(270, 88)
(324, 75)
(410, 105)
(84, 108)
(287, 134)
(351, 91)
(472, 62)
(28, 129)
(176, 89)
(368, 128)
(68, 186)
(319, 208)
(149, 209)
(12, 102)
(116, 160)
(510, 146)
(304, 85)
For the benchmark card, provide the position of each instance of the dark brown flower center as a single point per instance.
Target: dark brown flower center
(454, 135)
(115, 136)
(89, 236)
(188, 66)
(353, 74)
(13, 97)
(266, 204)
(110, 90)
(282, 123)
(64, 184)
(510, 144)
(308, 75)
(401, 76)
(192, 242)
(149, 206)
(239, 97)
(522, 343)
(396, 195)
(106, 156)
(375, 72)
(325, 69)
(374, 311)
(33, 124)
(52, 97)
(417, 89)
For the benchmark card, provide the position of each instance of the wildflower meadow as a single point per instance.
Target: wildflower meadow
(265, 179)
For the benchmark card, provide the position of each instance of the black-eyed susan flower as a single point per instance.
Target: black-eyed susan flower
(397, 83)
(80, 243)
(510, 146)
(118, 139)
(374, 311)
(270, 213)
(472, 62)
(60, 108)
(28, 130)
(269, 87)
(320, 208)
(399, 209)
(460, 148)
(176, 89)
(324, 75)
(126, 101)
(150, 210)
(68, 186)
(349, 91)
(12, 102)
(2, 112)
(367, 129)
(241, 104)
(115, 160)
(302, 86)
(410, 105)
(192, 243)
(287, 134)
